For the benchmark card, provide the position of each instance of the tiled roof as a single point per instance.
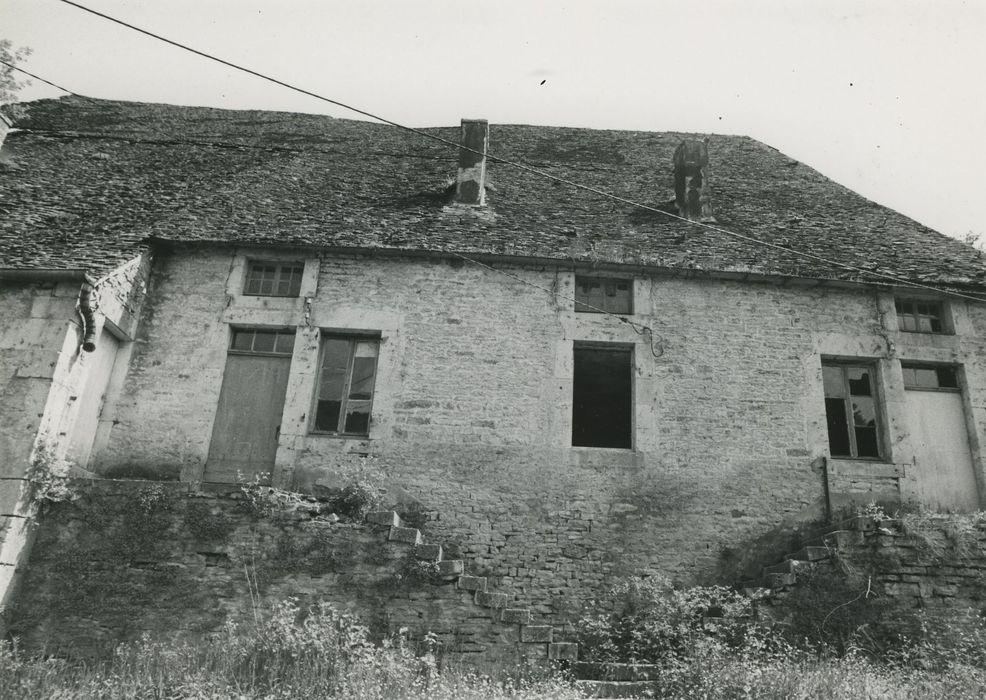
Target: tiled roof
(84, 181)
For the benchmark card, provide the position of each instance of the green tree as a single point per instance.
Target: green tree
(10, 79)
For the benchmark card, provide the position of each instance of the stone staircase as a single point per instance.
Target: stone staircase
(820, 549)
(536, 641)
(613, 680)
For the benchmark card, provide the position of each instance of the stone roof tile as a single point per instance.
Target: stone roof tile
(83, 182)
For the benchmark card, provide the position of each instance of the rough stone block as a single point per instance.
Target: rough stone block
(521, 616)
(408, 535)
(472, 583)
(450, 568)
(387, 518)
(536, 633)
(563, 651)
(491, 600)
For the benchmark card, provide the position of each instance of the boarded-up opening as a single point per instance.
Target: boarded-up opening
(602, 397)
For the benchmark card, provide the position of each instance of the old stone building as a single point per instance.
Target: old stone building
(569, 387)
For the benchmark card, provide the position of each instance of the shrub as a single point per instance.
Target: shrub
(356, 500)
(653, 622)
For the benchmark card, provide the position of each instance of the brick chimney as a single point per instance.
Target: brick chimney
(692, 193)
(470, 184)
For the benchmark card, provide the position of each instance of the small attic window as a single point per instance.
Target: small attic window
(921, 316)
(273, 279)
(599, 294)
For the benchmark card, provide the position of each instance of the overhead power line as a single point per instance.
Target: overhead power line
(540, 173)
(38, 77)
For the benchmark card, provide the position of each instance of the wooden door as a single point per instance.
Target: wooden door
(942, 476)
(248, 419)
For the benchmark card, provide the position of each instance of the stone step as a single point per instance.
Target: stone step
(472, 583)
(387, 518)
(810, 553)
(600, 671)
(450, 569)
(618, 689)
(408, 535)
(428, 552)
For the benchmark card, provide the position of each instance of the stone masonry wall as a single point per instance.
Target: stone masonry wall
(471, 423)
(129, 557)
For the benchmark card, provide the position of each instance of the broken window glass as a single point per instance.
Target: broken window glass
(347, 374)
(851, 411)
(920, 316)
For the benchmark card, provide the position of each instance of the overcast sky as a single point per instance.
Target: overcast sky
(887, 97)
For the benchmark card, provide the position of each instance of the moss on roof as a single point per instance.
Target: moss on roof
(83, 182)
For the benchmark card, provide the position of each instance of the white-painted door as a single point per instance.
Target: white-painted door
(942, 476)
(98, 369)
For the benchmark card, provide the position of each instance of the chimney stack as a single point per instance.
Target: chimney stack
(692, 193)
(470, 184)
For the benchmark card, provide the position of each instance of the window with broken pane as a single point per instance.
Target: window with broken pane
(599, 294)
(271, 279)
(920, 316)
(346, 378)
(851, 411)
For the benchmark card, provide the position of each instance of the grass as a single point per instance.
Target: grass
(322, 653)
(289, 653)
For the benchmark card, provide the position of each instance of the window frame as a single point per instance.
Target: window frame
(630, 350)
(353, 338)
(580, 280)
(944, 321)
(276, 330)
(876, 394)
(280, 266)
(954, 369)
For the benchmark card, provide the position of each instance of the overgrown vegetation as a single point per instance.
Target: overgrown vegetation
(49, 476)
(351, 502)
(289, 653)
(839, 641)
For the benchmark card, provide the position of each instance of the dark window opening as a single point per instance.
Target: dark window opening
(851, 411)
(346, 377)
(599, 294)
(940, 377)
(267, 279)
(918, 316)
(602, 397)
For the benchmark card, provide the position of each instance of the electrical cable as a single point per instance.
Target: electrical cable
(38, 77)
